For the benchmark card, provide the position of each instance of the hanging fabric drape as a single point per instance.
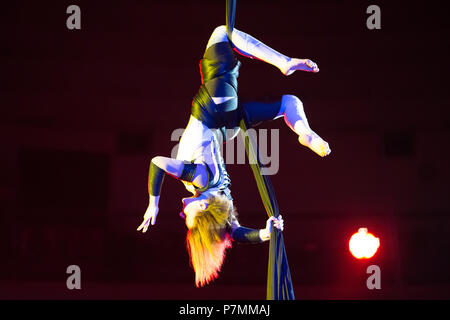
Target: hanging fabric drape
(279, 282)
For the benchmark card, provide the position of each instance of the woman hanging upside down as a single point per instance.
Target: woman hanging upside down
(210, 214)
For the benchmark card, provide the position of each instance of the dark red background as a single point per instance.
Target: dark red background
(84, 111)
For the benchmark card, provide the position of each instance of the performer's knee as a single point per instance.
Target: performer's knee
(289, 102)
(220, 30)
(218, 35)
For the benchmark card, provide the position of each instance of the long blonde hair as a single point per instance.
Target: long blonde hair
(208, 239)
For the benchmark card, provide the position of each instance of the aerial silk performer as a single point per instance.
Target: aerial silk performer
(216, 117)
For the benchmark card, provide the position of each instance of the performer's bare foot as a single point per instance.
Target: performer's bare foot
(315, 143)
(294, 64)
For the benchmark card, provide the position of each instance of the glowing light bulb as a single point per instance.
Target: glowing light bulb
(363, 245)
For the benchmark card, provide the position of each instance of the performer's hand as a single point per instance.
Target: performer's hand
(264, 234)
(149, 217)
(300, 64)
(277, 223)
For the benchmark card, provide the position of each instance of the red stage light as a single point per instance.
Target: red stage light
(363, 245)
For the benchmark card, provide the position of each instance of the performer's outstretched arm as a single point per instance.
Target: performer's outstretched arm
(179, 169)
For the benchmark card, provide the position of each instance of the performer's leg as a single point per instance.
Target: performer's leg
(295, 118)
(291, 109)
(250, 47)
